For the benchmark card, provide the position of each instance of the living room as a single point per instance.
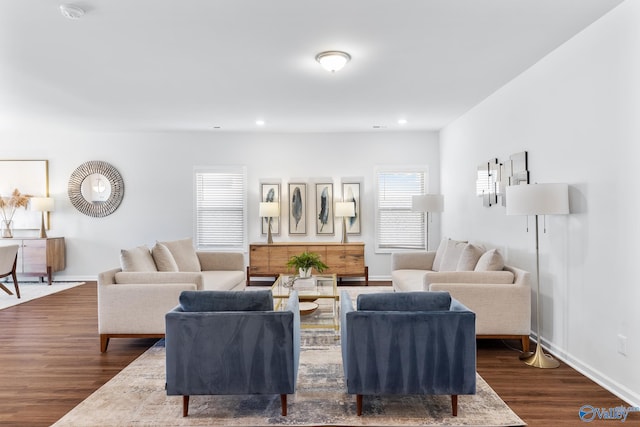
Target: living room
(573, 111)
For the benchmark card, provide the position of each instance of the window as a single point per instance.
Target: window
(397, 226)
(220, 207)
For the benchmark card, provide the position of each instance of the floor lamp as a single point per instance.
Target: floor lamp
(538, 199)
(269, 210)
(427, 203)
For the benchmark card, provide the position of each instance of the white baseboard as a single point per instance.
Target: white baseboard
(620, 390)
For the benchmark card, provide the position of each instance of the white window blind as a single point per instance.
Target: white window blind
(220, 210)
(397, 226)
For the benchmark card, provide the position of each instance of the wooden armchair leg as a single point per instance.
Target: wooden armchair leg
(185, 406)
(454, 405)
(283, 404)
(525, 343)
(359, 404)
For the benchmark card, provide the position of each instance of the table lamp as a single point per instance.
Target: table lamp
(344, 210)
(42, 204)
(269, 210)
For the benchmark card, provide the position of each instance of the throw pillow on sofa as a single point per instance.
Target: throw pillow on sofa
(137, 259)
(163, 258)
(184, 254)
(469, 257)
(451, 255)
(490, 261)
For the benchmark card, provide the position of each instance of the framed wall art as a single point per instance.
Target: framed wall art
(297, 208)
(30, 177)
(270, 192)
(351, 193)
(324, 209)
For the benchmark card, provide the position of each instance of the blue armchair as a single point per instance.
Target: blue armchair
(408, 343)
(230, 342)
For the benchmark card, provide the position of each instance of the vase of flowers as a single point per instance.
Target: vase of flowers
(8, 207)
(305, 262)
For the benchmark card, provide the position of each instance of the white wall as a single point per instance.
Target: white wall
(158, 173)
(576, 113)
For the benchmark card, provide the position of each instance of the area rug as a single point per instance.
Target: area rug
(32, 290)
(136, 397)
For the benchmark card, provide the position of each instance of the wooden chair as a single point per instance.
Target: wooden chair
(8, 259)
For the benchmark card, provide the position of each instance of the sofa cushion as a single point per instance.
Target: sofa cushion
(198, 301)
(405, 301)
(439, 254)
(469, 257)
(163, 258)
(490, 261)
(408, 280)
(222, 280)
(184, 254)
(137, 259)
(451, 255)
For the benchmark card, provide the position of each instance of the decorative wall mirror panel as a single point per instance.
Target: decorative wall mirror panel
(96, 188)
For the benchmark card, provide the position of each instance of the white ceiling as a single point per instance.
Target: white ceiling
(194, 64)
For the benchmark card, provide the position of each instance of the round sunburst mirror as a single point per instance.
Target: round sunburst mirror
(96, 188)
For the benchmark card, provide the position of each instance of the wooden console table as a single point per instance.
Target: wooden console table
(38, 257)
(343, 259)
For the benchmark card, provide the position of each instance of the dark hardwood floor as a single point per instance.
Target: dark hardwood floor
(50, 361)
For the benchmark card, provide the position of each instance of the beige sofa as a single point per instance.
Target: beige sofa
(499, 294)
(133, 299)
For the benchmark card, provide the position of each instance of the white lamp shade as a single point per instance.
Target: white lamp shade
(427, 203)
(269, 209)
(347, 209)
(42, 204)
(538, 199)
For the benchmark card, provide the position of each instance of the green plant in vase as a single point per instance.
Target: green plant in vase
(305, 262)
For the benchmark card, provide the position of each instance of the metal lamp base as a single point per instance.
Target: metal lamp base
(538, 359)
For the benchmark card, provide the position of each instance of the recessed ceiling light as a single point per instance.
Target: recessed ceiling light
(71, 11)
(260, 122)
(402, 121)
(333, 60)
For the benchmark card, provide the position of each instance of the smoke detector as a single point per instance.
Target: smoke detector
(71, 11)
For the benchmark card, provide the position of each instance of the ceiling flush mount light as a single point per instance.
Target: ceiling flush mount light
(333, 60)
(71, 11)
(260, 122)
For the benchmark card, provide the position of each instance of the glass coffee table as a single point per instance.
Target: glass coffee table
(318, 300)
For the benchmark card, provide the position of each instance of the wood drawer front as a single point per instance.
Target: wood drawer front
(259, 259)
(278, 257)
(335, 259)
(34, 256)
(354, 259)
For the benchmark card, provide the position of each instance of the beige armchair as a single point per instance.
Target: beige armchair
(8, 258)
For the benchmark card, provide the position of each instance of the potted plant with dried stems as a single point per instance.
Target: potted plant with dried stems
(8, 206)
(305, 262)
